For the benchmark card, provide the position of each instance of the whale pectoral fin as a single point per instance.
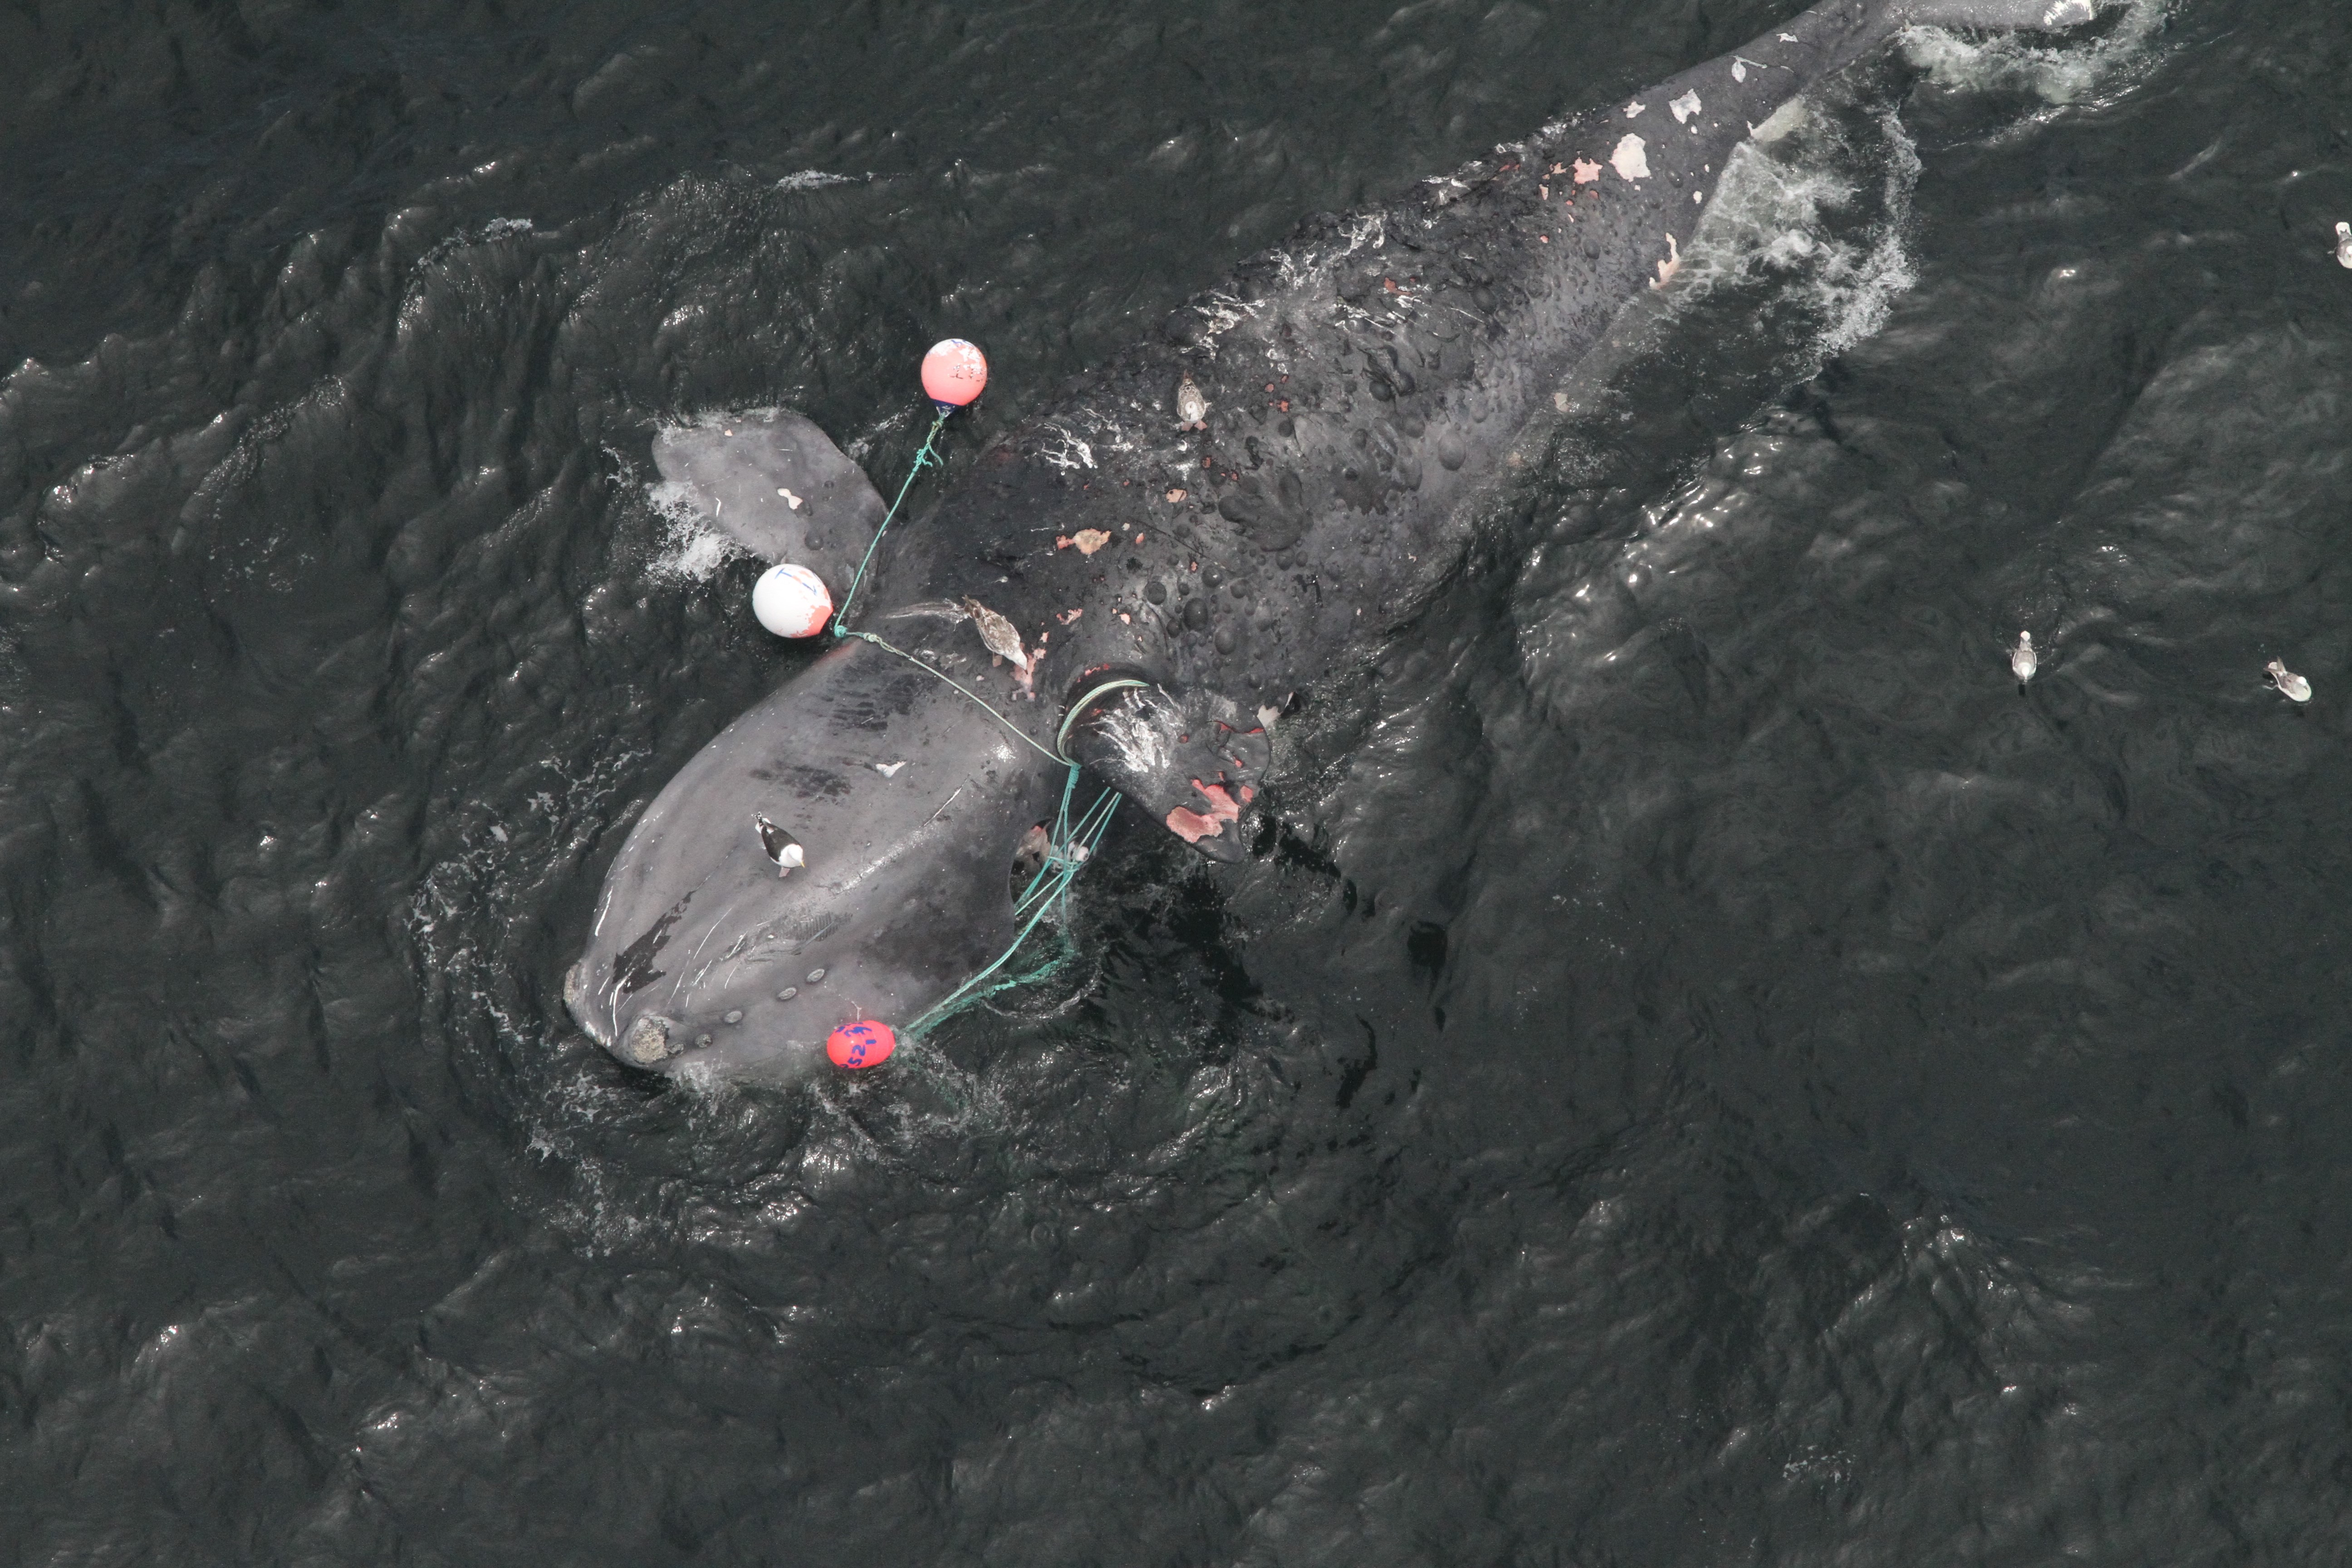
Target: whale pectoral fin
(1192, 759)
(775, 484)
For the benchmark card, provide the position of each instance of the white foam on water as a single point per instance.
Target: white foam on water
(1782, 216)
(813, 180)
(2057, 67)
(691, 549)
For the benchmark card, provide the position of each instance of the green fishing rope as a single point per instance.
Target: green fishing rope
(925, 457)
(1071, 844)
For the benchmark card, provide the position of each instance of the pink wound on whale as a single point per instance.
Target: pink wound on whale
(1191, 826)
(1221, 805)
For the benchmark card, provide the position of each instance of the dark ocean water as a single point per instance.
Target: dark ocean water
(1719, 1074)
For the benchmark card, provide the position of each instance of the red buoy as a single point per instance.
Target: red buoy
(953, 374)
(866, 1043)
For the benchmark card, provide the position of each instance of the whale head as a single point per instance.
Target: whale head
(845, 850)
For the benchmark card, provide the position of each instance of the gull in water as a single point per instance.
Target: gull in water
(2293, 686)
(2023, 661)
(2343, 243)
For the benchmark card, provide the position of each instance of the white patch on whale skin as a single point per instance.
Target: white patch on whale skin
(1632, 159)
(1671, 265)
(1634, 110)
(1222, 313)
(1142, 744)
(1685, 107)
(1071, 455)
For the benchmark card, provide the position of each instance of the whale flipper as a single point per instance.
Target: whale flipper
(1194, 759)
(774, 483)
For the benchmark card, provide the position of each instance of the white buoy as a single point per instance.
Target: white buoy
(2023, 661)
(791, 601)
(2343, 243)
(2293, 687)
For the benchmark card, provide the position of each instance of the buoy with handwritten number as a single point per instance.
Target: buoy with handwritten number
(866, 1043)
(954, 372)
(791, 601)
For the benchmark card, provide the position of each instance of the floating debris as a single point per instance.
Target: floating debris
(2293, 687)
(2023, 661)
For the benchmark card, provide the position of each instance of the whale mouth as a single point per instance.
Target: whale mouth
(837, 855)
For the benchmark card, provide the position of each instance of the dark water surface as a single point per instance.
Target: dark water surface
(1716, 1075)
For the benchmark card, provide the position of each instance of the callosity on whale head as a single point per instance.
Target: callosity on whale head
(843, 851)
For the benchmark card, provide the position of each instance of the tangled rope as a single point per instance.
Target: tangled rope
(1070, 845)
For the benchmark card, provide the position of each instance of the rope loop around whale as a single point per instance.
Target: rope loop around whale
(1071, 844)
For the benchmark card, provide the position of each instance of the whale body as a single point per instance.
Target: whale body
(1144, 595)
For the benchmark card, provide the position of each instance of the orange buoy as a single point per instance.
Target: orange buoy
(866, 1043)
(953, 374)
